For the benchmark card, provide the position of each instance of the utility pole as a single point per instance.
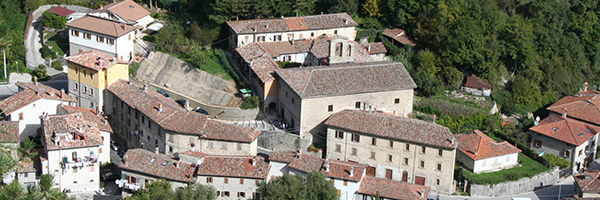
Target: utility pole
(4, 51)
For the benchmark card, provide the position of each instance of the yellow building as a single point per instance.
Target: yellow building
(90, 73)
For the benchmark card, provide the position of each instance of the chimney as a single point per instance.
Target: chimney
(35, 80)
(369, 47)
(434, 118)
(351, 171)
(423, 192)
(321, 13)
(327, 167)
(475, 151)
(199, 162)
(585, 85)
(266, 25)
(346, 21)
(123, 26)
(281, 16)
(176, 164)
(296, 14)
(62, 93)
(160, 108)
(145, 87)
(186, 104)
(156, 149)
(565, 110)
(253, 161)
(101, 7)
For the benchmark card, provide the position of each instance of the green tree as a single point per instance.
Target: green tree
(196, 191)
(428, 63)
(52, 20)
(319, 188)
(371, 8)
(303, 7)
(160, 189)
(297, 187)
(525, 92)
(348, 6)
(32, 5)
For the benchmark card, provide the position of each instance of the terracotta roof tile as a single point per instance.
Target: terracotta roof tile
(174, 118)
(231, 166)
(127, 9)
(102, 26)
(476, 82)
(398, 35)
(69, 131)
(566, 129)
(478, 145)
(9, 131)
(347, 79)
(90, 115)
(588, 181)
(313, 22)
(394, 127)
(392, 189)
(31, 93)
(61, 11)
(159, 165)
(26, 166)
(307, 163)
(586, 108)
(375, 47)
(94, 60)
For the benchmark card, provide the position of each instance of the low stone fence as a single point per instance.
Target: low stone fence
(516, 187)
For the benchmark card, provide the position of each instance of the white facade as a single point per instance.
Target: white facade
(80, 175)
(488, 164)
(104, 149)
(249, 38)
(29, 115)
(231, 188)
(122, 47)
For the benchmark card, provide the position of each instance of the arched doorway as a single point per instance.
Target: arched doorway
(272, 109)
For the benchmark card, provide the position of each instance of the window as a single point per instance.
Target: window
(91, 168)
(241, 181)
(405, 161)
(74, 169)
(339, 192)
(580, 151)
(339, 134)
(440, 152)
(373, 155)
(75, 33)
(87, 36)
(226, 180)
(74, 156)
(422, 149)
(129, 36)
(422, 164)
(565, 153)
(170, 138)
(100, 150)
(110, 41)
(335, 32)
(338, 148)
(507, 158)
(407, 147)
(26, 175)
(261, 38)
(345, 182)
(92, 92)
(537, 143)
(330, 108)
(84, 89)
(224, 146)
(354, 151)
(99, 39)
(357, 105)
(390, 158)
(439, 167)
(312, 34)
(239, 146)
(374, 141)
(437, 181)
(20, 116)
(241, 194)
(391, 144)
(76, 86)
(292, 100)
(218, 193)
(277, 38)
(256, 182)
(355, 138)
(74, 182)
(226, 193)
(397, 101)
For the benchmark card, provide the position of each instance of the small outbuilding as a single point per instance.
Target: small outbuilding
(61, 11)
(587, 184)
(479, 153)
(476, 86)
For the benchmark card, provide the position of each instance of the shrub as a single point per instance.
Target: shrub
(554, 160)
(40, 73)
(47, 53)
(149, 38)
(57, 65)
(133, 67)
(250, 102)
(285, 64)
(52, 20)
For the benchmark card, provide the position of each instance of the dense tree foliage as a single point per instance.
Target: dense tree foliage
(161, 189)
(52, 20)
(314, 186)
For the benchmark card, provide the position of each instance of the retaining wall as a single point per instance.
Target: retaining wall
(516, 187)
(283, 141)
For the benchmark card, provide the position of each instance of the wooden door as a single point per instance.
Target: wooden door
(388, 174)
(405, 176)
(419, 180)
(371, 171)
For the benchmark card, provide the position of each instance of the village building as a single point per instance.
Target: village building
(61, 11)
(245, 32)
(346, 176)
(89, 73)
(394, 147)
(587, 185)
(126, 11)
(95, 117)
(107, 36)
(398, 36)
(479, 153)
(25, 173)
(143, 118)
(582, 107)
(71, 152)
(571, 139)
(476, 86)
(371, 187)
(32, 101)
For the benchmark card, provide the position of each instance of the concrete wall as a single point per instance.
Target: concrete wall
(495, 163)
(516, 187)
(281, 141)
(347, 191)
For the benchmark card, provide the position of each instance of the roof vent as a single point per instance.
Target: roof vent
(98, 58)
(555, 128)
(580, 134)
(152, 161)
(160, 108)
(327, 167)
(588, 130)
(165, 163)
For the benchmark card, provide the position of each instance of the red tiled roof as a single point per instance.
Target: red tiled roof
(476, 82)
(398, 35)
(94, 60)
(127, 9)
(313, 22)
(588, 181)
(307, 163)
(9, 131)
(231, 166)
(392, 189)
(26, 166)
(586, 108)
(81, 133)
(61, 11)
(375, 47)
(175, 118)
(31, 93)
(102, 26)
(478, 145)
(347, 79)
(141, 160)
(566, 129)
(90, 115)
(394, 127)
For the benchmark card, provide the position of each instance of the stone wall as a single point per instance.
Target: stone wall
(517, 187)
(283, 141)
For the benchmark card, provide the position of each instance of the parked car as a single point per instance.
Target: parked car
(113, 145)
(200, 110)
(164, 94)
(181, 102)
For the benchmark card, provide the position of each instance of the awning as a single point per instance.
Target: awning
(155, 26)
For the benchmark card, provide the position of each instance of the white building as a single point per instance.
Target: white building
(126, 11)
(72, 148)
(110, 37)
(94, 116)
(479, 153)
(32, 101)
(346, 176)
(141, 167)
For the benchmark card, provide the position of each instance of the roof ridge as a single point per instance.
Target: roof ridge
(549, 107)
(306, 83)
(570, 130)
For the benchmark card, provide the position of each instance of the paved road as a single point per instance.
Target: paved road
(33, 45)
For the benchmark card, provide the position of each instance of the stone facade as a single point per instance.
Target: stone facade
(182, 142)
(231, 188)
(238, 40)
(522, 185)
(142, 180)
(403, 161)
(578, 156)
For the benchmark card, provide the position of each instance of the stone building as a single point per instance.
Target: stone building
(476, 86)
(582, 107)
(394, 147)
(126, 11)
(103, 126)
(479, 153)
(143, 118)
(587, 185)
(308, 95)
(390, 189)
